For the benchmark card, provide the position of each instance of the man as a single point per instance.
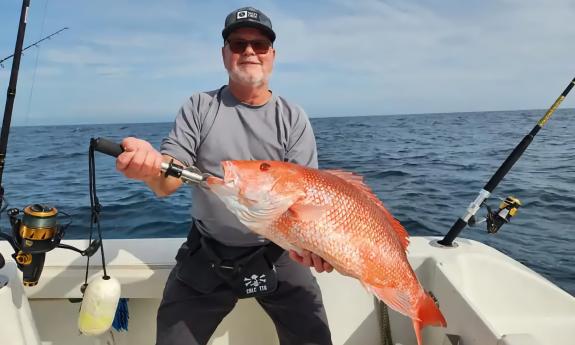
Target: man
(242, 120)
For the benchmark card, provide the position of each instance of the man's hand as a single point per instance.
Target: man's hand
(311, 260)
(139, 160)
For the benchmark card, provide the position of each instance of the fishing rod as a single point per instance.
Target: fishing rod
(36, 229)
(508, 207)
(33, 44)
(189, 175)
(11, 94)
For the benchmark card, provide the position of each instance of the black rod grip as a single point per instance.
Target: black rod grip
(455, 230)
(508, 163)
(108, 147)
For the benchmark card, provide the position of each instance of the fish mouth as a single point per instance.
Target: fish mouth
(232, 181)
(231, 178)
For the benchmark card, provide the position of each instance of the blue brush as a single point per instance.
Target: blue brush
(122, 315)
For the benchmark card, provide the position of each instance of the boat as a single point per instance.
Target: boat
(487, 299)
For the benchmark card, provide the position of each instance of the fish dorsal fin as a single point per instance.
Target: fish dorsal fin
(357, 181)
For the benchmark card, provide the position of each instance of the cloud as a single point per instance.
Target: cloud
(406, 52)
(79, 55)
(336, 57)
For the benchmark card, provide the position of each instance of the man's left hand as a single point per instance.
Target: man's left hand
(310, 259)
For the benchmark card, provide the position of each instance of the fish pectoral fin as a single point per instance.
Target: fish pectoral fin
(307, 213)
(394, 298)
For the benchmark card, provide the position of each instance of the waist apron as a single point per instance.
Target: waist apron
(204, 264)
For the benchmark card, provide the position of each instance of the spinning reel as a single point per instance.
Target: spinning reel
(495, 219)
(36, 231)
(507, 209)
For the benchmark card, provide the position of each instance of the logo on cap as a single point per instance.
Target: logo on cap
(246, 14)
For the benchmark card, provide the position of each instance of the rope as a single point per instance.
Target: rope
(385, 326)
(95, 207)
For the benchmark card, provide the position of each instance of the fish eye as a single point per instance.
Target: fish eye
(265, 167)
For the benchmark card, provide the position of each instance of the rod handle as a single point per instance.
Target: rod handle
(455, 230)
(107, 147)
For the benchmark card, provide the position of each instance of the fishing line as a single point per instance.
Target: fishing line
(29, 105)
(35, 44)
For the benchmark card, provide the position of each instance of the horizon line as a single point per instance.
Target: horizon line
(310, 116)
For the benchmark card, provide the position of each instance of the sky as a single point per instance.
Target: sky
(137, 61)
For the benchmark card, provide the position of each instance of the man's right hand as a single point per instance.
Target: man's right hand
(139, 160)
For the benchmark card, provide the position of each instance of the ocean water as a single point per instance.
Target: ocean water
(425, 168)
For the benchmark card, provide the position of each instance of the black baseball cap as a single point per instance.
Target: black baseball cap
(251, 18)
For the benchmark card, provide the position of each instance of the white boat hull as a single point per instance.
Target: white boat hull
(486, 297)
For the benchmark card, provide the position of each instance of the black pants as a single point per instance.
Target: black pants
(187, 317)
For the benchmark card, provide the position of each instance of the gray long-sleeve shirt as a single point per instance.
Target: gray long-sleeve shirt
(209, 129)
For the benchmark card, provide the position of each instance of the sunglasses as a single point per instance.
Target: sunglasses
(238, 46)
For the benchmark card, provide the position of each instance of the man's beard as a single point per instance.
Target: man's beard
(250, 78)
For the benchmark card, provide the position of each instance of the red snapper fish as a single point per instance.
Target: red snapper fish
(333, 214)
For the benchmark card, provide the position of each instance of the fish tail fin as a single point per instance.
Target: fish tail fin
(428, 314)
(424, 313)
(417, 327)
(396, 299)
